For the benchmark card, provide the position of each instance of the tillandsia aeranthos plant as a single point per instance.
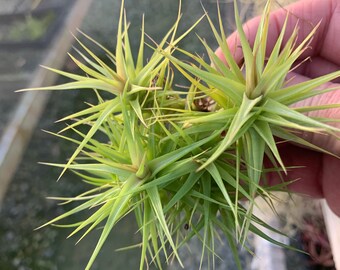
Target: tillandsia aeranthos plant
(182, 160)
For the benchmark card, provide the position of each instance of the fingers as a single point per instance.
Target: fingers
(327, 142)
(330, 45)
(303, 168)
(317, 175)
(331, 183)
(306, 14)
(317, 67)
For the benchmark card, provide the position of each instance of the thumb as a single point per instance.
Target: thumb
(329, 143)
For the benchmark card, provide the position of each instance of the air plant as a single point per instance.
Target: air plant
(182, 161)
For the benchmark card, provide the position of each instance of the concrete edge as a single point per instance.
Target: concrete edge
(19, 130)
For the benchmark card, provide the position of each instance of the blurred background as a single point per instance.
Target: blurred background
(38, 32)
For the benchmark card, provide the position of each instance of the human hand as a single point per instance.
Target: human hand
(319, 175)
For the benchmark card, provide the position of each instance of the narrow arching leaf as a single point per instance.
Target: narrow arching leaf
(105, 113)
(263, 129)
(241, 117)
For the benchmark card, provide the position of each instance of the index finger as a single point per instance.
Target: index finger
(306, 14)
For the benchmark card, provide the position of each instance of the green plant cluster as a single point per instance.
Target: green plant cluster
(181, 161)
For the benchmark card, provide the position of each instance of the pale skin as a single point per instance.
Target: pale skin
(320, 175)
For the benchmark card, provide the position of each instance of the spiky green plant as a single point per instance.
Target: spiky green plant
(180, 165)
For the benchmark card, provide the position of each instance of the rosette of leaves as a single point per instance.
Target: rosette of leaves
(178, 161)
(251, 105)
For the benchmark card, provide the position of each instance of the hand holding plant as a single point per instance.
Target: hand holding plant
(182, 160)
(318, 174)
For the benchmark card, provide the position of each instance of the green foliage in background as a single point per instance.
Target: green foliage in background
(31, 28)
(182, 159)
